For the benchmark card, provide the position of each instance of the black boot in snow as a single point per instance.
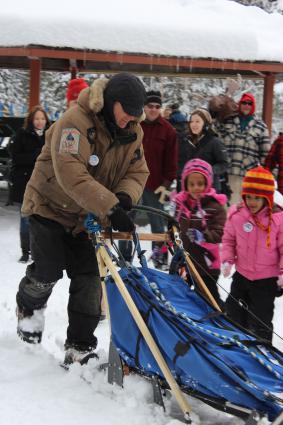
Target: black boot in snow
(25, 246)
(30, 325)
(77, 354)
(24, 258)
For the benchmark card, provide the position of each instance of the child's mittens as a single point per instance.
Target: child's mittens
(195, 235)
(226, 269)
(280, 281)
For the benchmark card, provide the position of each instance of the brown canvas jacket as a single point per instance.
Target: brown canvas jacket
(64, 186)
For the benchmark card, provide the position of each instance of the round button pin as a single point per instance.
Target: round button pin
(93, 160)
(248, 227)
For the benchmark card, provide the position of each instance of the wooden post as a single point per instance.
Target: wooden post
(73, 73)
(267, 110)
(34, 82)
(73, 68)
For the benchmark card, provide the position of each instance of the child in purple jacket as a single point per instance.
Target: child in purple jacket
(253, 242)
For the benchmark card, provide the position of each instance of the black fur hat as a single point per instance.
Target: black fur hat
(127, 89)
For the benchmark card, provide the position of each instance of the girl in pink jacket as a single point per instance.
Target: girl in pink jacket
(253, 241)
(201, 215)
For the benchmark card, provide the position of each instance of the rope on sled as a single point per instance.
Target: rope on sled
(235, 299)
(167, 304)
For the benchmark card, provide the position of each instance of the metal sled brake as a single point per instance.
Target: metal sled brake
(180, 340)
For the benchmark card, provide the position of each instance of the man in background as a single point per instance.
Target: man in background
(246, 139)
(161, 154)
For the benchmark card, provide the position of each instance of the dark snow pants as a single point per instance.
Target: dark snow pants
(258, 296)
(55, 249)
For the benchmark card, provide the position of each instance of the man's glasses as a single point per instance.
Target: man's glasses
(246, 102)
(150, 106)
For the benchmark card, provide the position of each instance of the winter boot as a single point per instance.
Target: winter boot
(77, 354)
(30, 325)
(24, 258)
(25, 245)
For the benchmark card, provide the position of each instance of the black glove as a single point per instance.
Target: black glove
(120, 220)
(125, 200)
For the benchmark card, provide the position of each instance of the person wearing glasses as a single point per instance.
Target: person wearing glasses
(247, 141)
(161, 154)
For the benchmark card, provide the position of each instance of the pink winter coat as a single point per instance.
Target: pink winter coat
(244, 243)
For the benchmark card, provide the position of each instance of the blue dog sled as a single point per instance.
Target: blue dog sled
(180, 340)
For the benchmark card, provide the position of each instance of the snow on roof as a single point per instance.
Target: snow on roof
(220, 29)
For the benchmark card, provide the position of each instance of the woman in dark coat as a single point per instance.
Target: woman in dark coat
(203, 143)
(24, 149)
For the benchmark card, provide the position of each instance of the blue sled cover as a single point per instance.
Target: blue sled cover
(205, 352)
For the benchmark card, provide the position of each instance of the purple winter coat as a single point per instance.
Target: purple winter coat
(244, 243)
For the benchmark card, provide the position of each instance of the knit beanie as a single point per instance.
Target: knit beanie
(259, 182)
(127, 89)
(204, 114)
(74, 88)
(248, 97)
(153, 96)
(198, 166)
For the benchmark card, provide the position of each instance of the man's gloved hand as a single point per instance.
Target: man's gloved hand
(125, 200)
(226, 269)
(120, 220)
(164, 194)
(195, 235)
(91, 224)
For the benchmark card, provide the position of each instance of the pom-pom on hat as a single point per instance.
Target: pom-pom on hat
(259, 182)
(74, 88)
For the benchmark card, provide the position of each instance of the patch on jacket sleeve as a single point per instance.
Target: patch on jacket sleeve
(70, 140)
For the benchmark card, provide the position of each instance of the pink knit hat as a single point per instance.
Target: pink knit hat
(198, 166)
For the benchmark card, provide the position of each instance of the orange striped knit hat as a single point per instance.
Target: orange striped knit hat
(259, 182)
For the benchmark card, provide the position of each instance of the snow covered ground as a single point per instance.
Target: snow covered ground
(35, 390)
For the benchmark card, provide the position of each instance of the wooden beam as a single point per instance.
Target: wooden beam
(73, 68)
(267, 109)
(144, 59)
(34, 83)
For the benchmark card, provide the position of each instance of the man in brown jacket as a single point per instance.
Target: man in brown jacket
(92, 161)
